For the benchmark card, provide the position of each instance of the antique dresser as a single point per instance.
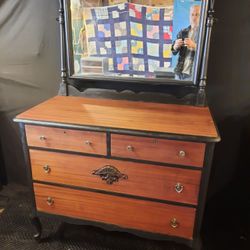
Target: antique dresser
(142, 165)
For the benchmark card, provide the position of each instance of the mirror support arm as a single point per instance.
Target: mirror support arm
(201, 96)
(63, 90)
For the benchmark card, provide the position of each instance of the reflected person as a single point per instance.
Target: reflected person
(185, 45)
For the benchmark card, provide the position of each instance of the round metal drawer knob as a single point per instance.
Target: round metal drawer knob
(50, 201)
(42, 138)
(174, 223)
(88, 143)
(179, 187)
(130, 148)
(182, 153)
(47, 169)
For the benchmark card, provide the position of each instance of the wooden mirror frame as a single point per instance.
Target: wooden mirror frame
(174, 87)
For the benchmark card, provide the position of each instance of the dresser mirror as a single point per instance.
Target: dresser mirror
(154, 41)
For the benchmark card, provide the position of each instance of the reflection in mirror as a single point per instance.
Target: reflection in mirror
(136, 39)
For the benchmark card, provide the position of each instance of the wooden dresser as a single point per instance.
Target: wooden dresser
(125, 165)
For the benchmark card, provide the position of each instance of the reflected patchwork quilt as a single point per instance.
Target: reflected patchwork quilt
(135, 39)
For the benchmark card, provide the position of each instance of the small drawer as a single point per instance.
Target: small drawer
(124, 212)
(67, 139)
(158, 150)
(145, 180)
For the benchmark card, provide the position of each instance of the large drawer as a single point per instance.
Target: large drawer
(124, 212)
(138, 179)
(67, 139)
(158, 150)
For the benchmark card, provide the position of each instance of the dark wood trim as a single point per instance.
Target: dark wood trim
(170, 165)
(122, 131)
(28, 166)
(68, 39)
(201, 96)
(203, 188)
(64, 73)
(201, 41)
(108, 136)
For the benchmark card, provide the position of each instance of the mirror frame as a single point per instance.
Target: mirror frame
(176, 88)
(197, 62)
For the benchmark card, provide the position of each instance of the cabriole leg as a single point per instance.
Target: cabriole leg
(38, 227)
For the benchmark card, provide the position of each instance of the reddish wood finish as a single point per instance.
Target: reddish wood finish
(124, 212)
(141, 116)
(159, 150)
(67, 139)
(143, 179)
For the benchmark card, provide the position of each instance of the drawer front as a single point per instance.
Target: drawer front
(67, 139)
(159, 150)
(124, 212)
(138, 179)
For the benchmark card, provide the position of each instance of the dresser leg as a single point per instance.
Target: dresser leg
(197, 244)
(60, 231)
(38, 227)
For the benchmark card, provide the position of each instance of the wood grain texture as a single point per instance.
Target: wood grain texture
(141, 116)
(127, 213)
(159, 150)
(66, 139)
(143, 179)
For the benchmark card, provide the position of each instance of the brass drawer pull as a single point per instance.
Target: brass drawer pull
(130, 148)
(179, 187)
(47, 169)
(174, 223)
(50, 201)
(88, 143)
(110, 174)
(42, 138)
(182, 153)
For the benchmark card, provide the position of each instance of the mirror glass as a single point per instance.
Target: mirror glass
(146, 39)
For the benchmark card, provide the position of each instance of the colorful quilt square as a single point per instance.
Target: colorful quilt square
(167, 64)
(153, 65)
(153, 14)
(90, 30)
(136, 29)
(110, 64)
(101, 13)
(115, 14)
(153, 49)
(138, 64)
(122, 6)
(104, 30)
(105, 48)
(120, 29)
(167, 50)
(153, 31)
(136, 47)
(168, 13)
(92, 48)
(135, 10)
(121, 46)
(167, 32)
(122, 63)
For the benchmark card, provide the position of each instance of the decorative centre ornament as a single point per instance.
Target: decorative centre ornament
(110, 174)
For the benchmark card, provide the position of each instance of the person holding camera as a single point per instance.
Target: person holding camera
(185, 45)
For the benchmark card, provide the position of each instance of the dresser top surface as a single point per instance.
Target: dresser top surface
(127, 115)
